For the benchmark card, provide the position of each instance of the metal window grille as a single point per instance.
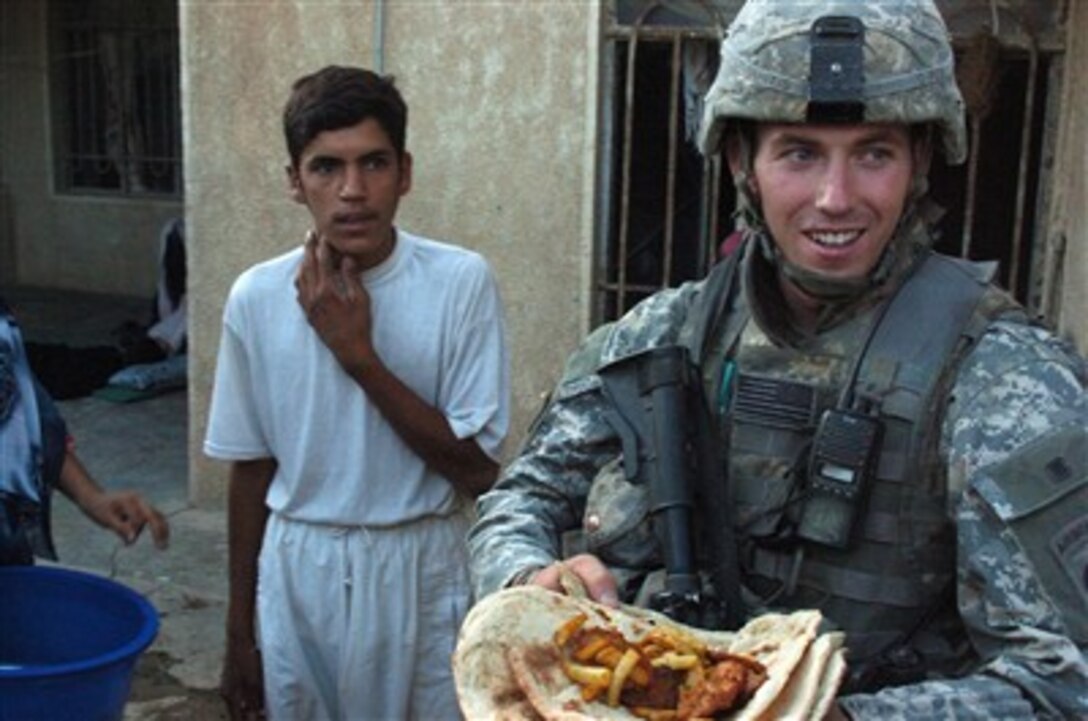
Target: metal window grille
(116, 118)
(667, 209)
(665, 201)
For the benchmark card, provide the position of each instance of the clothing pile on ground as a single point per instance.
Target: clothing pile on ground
(141, 359)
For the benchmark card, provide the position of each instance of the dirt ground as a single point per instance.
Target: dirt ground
(156, 695)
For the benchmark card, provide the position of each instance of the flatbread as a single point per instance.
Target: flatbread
(797, 699)
(779, 642)
(507, 666)
(834, 673)
(486, 689)
(506, 656)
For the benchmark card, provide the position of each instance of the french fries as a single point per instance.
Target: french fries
(623, 669)
(653, 714)
(649, 677)
(676, 661)
(564, 632)
(593, 680)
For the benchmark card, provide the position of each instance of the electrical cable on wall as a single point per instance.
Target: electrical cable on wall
(379, 37)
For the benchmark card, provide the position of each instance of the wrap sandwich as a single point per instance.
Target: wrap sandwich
(525, 653)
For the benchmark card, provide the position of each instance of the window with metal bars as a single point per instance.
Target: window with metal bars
(667, 210)
(665, 206)
(114, 86)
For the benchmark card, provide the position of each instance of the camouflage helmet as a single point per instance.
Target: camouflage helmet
(778, 64)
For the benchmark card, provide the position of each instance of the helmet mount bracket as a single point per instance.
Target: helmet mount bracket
(836, 70)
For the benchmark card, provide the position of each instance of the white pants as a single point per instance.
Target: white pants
(360, 623)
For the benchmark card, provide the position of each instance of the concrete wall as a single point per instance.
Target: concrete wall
(1067, 236)
(502, 126)
(92, 244)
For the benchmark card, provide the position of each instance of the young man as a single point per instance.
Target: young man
(37, 455)
(361, 395)
(902, 449)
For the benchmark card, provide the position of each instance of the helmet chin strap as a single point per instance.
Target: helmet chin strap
(833, 290)
(818, 285)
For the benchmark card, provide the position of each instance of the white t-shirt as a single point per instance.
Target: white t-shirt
(279, 392)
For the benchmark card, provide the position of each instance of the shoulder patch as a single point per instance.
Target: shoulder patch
(1040, 493)
(1038, 474)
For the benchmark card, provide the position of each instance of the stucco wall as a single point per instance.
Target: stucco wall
(502, 99)
(92, 244)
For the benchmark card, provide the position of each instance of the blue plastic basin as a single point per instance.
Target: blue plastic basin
(68, 644)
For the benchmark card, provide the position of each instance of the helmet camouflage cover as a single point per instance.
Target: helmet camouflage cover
(905, 73)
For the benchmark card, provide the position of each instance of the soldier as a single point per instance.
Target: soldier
(901, 447)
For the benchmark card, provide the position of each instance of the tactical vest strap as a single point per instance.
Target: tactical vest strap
(755, 440)
(844, 582)
(706, 313)
(882, 527)
(893, 465)
(715, 540)
(918, 337)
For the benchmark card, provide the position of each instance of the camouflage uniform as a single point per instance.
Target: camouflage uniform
(1016, 386)
(1018, 528)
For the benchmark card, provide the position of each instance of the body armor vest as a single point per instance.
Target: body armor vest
(892, 588)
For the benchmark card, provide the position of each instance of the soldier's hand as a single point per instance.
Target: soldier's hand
(595, 577)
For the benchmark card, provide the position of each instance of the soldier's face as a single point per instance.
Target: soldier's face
(832, 195)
